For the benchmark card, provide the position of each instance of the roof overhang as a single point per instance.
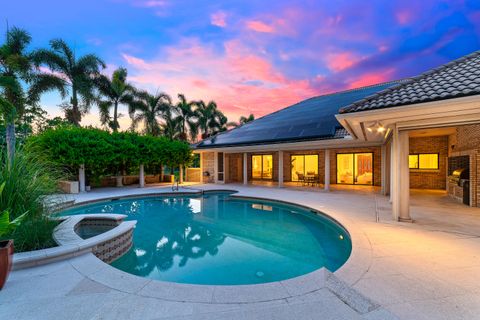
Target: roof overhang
(347, 142)
(376, 125)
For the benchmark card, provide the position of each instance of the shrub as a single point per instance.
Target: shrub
(27, 182)
(105, 153)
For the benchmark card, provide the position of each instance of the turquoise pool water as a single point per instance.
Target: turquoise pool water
(223, 240)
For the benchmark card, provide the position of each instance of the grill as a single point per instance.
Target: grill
(460, 176)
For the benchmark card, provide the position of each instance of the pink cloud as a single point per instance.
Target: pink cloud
(219, 19)
(341, 61)
(239, 80)
(367, 79)
(403, 17)
(259, 26)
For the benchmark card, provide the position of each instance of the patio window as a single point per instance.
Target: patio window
(304, 165)
(355, 168)
(262, 166)
(423, 161)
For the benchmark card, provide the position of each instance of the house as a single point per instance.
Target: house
(421, 133)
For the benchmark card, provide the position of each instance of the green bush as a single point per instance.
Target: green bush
(104, 153)
(27, 182)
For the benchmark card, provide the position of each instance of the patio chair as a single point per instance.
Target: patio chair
(301, 177)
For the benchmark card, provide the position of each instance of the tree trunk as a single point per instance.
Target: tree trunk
(115, 117)
(10, 136)
(75, 112)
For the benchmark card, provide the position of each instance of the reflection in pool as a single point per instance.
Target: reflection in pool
(219, 239)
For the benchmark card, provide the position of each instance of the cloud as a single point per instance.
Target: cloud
(341, 61)
(219, 19)
(259, 26)
(238, 79)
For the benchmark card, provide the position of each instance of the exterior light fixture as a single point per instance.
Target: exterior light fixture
(376, 127)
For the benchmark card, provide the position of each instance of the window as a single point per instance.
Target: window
(423, 161)
(262, 166)
(355, 168)
(306, 165)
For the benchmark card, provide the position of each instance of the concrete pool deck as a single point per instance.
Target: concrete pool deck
(425, 270)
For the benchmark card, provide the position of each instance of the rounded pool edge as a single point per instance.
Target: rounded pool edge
(350, 272)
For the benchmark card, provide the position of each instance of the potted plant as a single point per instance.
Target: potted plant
(6, 246)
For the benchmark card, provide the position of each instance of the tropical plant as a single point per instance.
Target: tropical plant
(243, 120)
(148, 109)
(77, 74)
(6, 225)
(16, 73)
(210, 119)
(27, 181)
(115, 91)
(187, 117)
(171, 126)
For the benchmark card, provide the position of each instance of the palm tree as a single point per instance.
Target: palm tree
(172, 124)
(148, 108)
(16, 73)
(186, 113)
(243, 120)
(210, 119)
(116, 91)
(78, 75)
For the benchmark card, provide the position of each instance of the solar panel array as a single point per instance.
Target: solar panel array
(307, 120)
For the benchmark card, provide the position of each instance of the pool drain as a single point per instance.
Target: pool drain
(259, 274)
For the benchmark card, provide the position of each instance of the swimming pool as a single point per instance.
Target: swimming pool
(219, 239)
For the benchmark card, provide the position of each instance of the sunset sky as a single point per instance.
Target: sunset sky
(253, 56)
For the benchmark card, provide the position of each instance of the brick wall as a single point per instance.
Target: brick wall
(467, 142)
(235, 167)
(430, 179)
(377, 178)
(208, 164)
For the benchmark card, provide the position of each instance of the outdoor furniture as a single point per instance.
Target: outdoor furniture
(301, 177)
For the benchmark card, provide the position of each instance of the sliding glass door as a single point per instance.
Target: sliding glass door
(262, 166)
(304, 165)
(355, 168)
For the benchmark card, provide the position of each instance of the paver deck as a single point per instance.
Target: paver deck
(423, 270)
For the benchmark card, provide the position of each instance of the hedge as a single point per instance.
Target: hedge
(101, 151)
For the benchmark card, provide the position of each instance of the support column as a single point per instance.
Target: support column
(327, 170)
(245, 168)
(141, 176)
(215, 167)
(400, 193)
(181, 174)
(81, 177)
(280, 169)
(383, 170)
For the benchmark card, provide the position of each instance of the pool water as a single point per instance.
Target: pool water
(218, 239)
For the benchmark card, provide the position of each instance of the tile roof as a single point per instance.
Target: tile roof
(311, 119)
(455, 79)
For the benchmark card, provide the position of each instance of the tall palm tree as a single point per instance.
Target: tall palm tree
(78, 75)
(148, 109)
(210, 119)
(172, 124)
(115, 91)
(188, 126)
(243, 120)
(16, 74)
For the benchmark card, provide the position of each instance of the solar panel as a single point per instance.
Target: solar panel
(309, 119)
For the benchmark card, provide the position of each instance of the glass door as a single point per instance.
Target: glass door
(262, 166)
(355, 168)
(304, 165)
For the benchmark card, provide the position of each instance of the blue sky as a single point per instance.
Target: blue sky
(253, 56)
